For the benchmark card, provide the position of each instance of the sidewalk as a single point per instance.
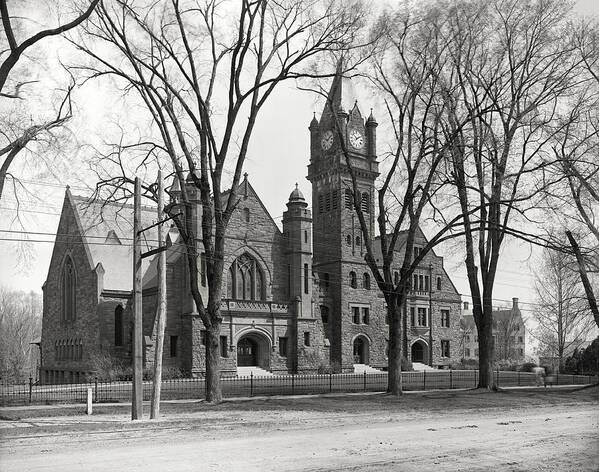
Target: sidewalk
(100, 408)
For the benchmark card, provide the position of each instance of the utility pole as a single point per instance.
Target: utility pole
(161, 308)
(137, 391)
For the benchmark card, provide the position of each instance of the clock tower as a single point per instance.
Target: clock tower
(338, 253)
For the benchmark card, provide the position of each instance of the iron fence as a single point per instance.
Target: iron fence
(179, 389)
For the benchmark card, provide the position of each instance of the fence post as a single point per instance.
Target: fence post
(96, 389)
(557, 378)
(424, 381)
(518, 378)
(475, 378)
(292, 384)
(251, 384)
(450, 379)
(497, 376)
(330, 382)
(30, 388)
(364, 380)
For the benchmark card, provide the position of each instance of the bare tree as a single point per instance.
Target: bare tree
(406, 71)
(577, 152)
(18, 136)
(513, 57)
(562, 315)
(203, 71)
(20, 324)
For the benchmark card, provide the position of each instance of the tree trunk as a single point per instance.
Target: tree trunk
(584, 278)
(394, 386)
(486, 351)
(213, 386)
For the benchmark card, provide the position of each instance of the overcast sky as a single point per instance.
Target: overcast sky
(277, 160)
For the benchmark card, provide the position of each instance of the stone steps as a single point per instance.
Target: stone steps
(361, 368)
(248, 371)
(418, 366)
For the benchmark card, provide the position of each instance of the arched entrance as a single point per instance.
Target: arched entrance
(419, 352)
(361, 350)
(247, 349)
(253, 351)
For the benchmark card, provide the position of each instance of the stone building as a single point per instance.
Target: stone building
(508, 334)
(296, 299)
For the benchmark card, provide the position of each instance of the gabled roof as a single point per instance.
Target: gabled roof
(501, 315)
(107, 230)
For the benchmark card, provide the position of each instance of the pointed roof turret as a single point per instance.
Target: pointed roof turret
(297, 197)
(342, 95)
(313, 123)
(371, 120)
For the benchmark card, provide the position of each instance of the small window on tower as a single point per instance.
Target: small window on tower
(307, 338)
(365, 202)
(306, 278)
(335, 201)
(366, 281)
(348, 240)
(348, 199)
(320, 204)
(353, 282)
(356, 314)
(328, 202)
(324, 314)
(246, 214)
(358, 241)
(366, 315)
(438, 283)
(306, 236)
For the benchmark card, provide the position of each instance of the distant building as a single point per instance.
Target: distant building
(508, 334)
(295, 299)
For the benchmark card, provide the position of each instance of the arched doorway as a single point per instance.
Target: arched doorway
(253, 351)
(247, 349)
(419, 352)
(361, 350)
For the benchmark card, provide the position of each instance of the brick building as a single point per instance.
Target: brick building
(300, 299)
(508, 334)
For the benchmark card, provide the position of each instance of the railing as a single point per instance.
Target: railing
(179, 389)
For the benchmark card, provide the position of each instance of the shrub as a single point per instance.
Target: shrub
(527, 367)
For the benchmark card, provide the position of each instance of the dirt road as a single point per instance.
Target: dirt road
(426, 432)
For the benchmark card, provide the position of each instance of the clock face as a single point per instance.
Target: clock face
(327, 140)
(356, 139)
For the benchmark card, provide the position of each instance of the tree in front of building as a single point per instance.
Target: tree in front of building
(201, 73)
(406, 72)
(561, 312)
(510, 68)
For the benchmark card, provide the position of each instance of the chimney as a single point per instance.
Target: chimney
(466, 306)
(514, 303)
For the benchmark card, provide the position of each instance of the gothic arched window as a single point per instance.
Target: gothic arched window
(246, 279)
(353, 282)
(366, 281)
(68, 290)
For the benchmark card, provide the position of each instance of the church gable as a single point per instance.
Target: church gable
(251, 219)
